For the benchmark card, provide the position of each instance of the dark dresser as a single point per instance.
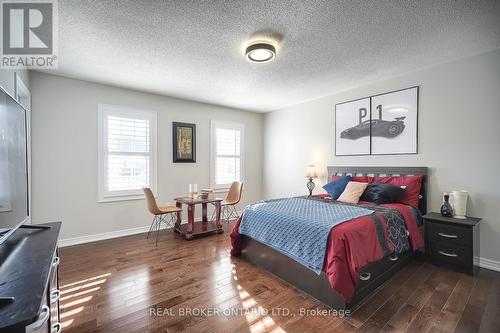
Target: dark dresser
(452, 243)
(29, 281)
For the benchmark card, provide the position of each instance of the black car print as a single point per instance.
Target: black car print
(383, 128)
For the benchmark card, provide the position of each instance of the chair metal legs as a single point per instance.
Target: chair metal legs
(229, 212)
(158, 220)
(153, 225)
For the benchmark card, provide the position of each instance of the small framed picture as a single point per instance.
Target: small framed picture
(184, 142)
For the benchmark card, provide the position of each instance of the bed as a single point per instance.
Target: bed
(344, 283)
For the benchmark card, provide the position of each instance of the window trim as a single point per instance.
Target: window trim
(226, 125)
(103, 110)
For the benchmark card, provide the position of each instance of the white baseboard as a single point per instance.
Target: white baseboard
(487, 263)
(106, 235)
(102, 236)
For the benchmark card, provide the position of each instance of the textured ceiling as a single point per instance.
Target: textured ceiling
(194, 49)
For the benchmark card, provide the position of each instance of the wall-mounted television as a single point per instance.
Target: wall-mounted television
(14, 206)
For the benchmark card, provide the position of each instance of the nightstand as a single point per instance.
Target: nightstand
(452, 243)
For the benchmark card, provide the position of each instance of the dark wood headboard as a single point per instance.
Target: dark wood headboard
(385, 171)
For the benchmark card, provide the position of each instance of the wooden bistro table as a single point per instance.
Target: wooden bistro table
(194, 228)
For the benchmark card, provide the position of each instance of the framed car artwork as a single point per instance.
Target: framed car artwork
(382, 124)
(352, 123)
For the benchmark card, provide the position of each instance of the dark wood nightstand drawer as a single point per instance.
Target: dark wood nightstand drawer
(452, 242)
(451, 254)
(452, 234)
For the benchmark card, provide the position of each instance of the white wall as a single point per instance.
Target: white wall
(459, 139)
(64, 136)
(7, 80)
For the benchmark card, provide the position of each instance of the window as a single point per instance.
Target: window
(127, 153)
(226, 153)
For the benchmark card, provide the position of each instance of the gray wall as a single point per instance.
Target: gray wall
(459, 137)
(64, 136)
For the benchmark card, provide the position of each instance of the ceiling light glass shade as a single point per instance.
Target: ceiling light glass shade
(261, 52)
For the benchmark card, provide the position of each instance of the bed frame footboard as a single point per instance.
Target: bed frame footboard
(318, 286)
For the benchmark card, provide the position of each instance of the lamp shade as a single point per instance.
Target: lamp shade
(311, 172)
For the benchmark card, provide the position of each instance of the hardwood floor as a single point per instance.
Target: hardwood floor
(129, 285)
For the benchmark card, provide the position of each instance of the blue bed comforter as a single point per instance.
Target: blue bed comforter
(297, 227)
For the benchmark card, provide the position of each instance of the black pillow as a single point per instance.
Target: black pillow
(381, 193)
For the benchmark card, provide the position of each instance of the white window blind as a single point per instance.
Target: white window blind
(226, 153)
(127, 146)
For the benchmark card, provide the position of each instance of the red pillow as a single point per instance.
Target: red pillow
(321, 195)
(359, 179)
(412, 191)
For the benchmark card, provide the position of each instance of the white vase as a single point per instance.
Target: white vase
(459, 204)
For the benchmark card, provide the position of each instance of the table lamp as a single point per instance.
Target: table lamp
(311, 173)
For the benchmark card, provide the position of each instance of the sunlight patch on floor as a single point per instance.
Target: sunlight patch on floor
(70, 313)
(80, 293)
(86, 285)
(85, 280)
(75, 295)
(78, 301)
(254, 313)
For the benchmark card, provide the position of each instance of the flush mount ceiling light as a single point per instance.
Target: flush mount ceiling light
(260, 52)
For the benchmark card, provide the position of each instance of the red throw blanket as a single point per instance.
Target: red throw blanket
(351, 246)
